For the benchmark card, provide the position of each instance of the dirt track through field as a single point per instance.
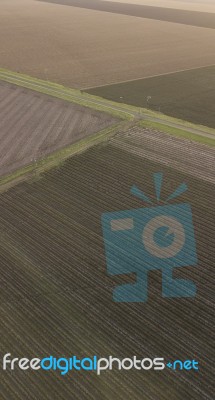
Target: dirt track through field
(33, 125)
(194, 18)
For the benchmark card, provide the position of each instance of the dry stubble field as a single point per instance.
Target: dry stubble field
(84, 48)
(56, 296)
(33, 125)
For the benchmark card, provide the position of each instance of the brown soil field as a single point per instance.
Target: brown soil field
(33, 125)
(56, 295)
(85, 48)
(195, 18)
(187, 95)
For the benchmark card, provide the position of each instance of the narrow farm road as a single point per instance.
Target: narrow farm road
(55, 91)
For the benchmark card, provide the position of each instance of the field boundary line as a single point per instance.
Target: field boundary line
(123, 111)
(81, 99)
(64, 95)
(34, 170)
(148, 77)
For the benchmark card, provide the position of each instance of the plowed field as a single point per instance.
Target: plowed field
(33, 125)
(56, 295)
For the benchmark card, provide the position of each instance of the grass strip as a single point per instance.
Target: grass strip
(86, 96)
(55, 90)
(56, 158)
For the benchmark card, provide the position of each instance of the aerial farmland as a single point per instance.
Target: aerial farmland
(82, 48)
(106, 108)
(70, 42)
(56, 293)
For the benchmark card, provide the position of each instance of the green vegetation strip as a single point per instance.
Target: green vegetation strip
(92, 101)
(65, 93)
(56, 158)
(178, 132)
(88, 100)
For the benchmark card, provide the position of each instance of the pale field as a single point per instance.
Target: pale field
(33, 125)
(83, 48)
(192, 5)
